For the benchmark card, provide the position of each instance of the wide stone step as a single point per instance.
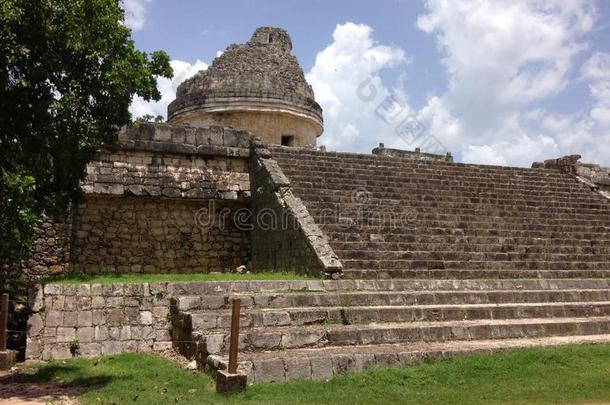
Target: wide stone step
(289, 337)
(332, 361)
(202, 321)
(356, 264)
(402, 218)
(472, 274)
(382, 185)
(434, 174)
(330, 160)
(342, 233)
(432, 254)
(219, 292)
(459, 213)
(406, 242)
(466, 246)
(397, 297)
(384, 177)
(337, 203)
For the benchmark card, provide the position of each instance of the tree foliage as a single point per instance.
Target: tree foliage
(68, 71)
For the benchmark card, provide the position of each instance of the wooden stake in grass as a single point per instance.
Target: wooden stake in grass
(3, 322)
(234, 343)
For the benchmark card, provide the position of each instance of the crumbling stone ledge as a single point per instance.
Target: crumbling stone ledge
(273, 193)
(593, 176)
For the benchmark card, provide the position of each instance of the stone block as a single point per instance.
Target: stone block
(90, 349)
(146, 318)
(321, 368)
(125, 333)
(114, 333)
(188, 303)
(269, 370)
(112, 347)
(100, 333)
(98, 317)
(147, 332)
(96, 289)
(83, 290)
(114, 317)
(35, 325)
(58, 352)
(343, 364)
(54, 318)
(8, 358)
(302, 338)
(214, 343)
(145, 346)
(65, 334)
(276, 318)
(84, 318)
(98, 302)
(298, 368)
(86, 334)
(227, 383)
(265, 341)
(160, 346)
(212, 302)
(52, 289)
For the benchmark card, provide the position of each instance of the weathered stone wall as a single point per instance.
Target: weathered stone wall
(103, 319)
(50, 252)
(412, 155)
(269, 123)
(284, 235)
(147, 206)
(147, 235)
(593, 175)
(171, 161)
(596, 174)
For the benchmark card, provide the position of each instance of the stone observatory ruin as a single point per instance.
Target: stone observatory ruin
(411, 255)
(257, 86)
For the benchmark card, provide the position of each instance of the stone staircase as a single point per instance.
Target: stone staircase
(439, 260)
(390, 217)
(317, 329)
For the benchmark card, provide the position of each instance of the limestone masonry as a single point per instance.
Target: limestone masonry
(258, 86)
(412, 256)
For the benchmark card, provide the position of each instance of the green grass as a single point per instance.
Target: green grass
(156, 278)
(563, 375)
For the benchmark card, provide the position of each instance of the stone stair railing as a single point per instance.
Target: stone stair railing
(285, 236)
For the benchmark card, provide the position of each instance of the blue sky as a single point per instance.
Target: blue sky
(498, 81)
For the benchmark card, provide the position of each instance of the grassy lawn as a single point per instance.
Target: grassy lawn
(564, 375)
(156, 278)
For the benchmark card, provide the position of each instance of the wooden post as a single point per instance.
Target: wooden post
(229, 381)
(3, 321)
(234, 343)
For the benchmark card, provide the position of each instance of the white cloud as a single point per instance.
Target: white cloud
(597, 67)
(343, 76)
(501, 58)
(135, 13)
(167, 87)
(597, 71)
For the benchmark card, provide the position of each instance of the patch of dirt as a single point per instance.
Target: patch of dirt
(21, 388)
(174, 356)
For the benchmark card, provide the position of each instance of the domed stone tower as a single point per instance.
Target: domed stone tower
(257, 86)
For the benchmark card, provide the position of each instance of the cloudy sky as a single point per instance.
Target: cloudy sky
(501, 81)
